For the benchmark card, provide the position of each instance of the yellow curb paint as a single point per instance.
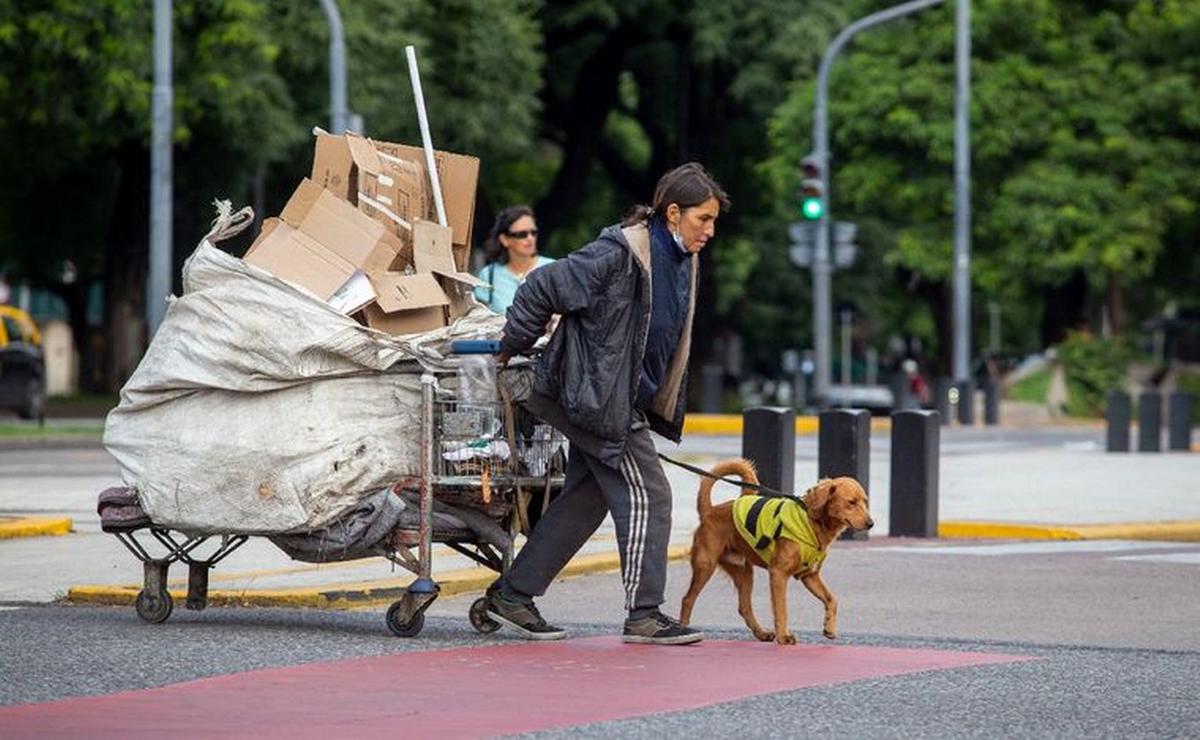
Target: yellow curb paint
(731, 424)
(360, 595)
(1172, 531)
(1004, 531)
(34, 527)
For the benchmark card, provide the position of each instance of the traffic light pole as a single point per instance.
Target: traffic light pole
(822, 269)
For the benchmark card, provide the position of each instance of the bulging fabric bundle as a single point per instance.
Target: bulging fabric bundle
(259, 409)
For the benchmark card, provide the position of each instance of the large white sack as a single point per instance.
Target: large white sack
(259, 409)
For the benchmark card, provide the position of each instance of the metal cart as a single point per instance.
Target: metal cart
(489, 455)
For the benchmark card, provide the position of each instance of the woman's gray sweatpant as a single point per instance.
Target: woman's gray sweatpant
(639, 498)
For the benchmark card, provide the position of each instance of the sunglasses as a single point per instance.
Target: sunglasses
(521, 234)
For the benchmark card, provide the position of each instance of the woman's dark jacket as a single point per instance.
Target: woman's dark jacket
(585, 382)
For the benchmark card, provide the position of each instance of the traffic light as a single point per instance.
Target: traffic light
(812, 190)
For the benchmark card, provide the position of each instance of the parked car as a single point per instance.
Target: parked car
(22, 364)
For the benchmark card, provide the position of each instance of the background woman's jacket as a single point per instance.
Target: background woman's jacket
(585, 382)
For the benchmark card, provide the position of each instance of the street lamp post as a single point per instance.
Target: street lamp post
(158, 279)
(962, 193)
(338, 113)
(822, 295)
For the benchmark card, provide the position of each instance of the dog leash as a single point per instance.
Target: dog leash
(763, 490)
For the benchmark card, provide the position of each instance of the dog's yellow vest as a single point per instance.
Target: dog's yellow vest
(761, 520)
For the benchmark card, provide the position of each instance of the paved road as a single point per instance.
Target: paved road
(1080, 639)
(938, 638)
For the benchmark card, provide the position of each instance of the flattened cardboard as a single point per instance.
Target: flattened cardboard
(386, 189)
(291, 255)
(432, 250)
(459, 175)
(396, 291)
(416, 321)
(341, 228)
(407, 304)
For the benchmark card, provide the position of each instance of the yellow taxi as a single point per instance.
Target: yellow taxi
(22, 364)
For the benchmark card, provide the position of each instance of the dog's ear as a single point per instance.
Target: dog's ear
(817, 498)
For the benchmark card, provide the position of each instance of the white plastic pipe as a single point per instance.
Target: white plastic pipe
(434, 179)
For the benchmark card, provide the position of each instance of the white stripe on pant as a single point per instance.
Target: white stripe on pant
(638, 496)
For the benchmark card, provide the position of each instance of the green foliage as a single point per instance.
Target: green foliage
(1093, 367)
(1084, 122)
(1033, 388)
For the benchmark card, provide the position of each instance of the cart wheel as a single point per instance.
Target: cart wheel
(404, 629)
(482, 623)
(153, 606)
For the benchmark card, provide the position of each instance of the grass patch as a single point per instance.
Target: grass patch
(32, 431)
(1033, 388)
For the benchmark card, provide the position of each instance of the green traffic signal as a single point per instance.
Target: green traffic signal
(812, 208)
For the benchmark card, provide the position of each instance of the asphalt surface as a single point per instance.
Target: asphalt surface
(1108, 631)
(1111, 629)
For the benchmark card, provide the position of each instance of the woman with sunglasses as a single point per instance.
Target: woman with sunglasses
(511, 250)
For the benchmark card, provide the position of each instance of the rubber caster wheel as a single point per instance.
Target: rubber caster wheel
(482, 623)
(411, 628)
(153, 606)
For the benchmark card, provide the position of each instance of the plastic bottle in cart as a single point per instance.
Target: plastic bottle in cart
(477, 379)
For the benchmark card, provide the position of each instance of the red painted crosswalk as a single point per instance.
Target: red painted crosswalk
(472, 692)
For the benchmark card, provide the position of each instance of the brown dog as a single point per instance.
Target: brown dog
(833, 505)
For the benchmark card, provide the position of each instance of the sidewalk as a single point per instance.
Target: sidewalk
(1074, 491)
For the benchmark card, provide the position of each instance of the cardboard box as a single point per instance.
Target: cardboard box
(407, 304)
(459, 175)
(295, 257)
(320, 241)
(390, 190)
(333, 222)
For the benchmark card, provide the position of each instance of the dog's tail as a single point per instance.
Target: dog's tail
(740, 466)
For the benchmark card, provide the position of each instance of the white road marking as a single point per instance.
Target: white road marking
(1036, 548)
(1184, 558)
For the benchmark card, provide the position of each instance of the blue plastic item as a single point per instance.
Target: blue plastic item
(475, 347)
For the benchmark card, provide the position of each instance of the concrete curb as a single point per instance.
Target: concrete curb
(730, 425)
(34, 526)
(1171, 531)
(360, 595)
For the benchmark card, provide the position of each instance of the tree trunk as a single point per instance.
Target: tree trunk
(126, 262)
(1064, 309)
(594, 95)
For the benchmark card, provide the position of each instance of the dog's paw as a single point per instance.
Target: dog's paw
(830, 634)
(764, 636)
(786, 638)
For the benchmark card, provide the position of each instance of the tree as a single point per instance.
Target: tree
(250, 82)
(1079, 175)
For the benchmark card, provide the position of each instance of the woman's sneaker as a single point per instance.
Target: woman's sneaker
(659, 629)
(523, 619)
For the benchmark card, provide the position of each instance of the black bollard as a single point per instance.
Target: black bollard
(966, 402)
(914, 495)
(991, 402)
(844, 448)
(712, 380)
(1116, 417)
(1179, 421)
(941, 390)
(769, 441)
(1150, 421)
